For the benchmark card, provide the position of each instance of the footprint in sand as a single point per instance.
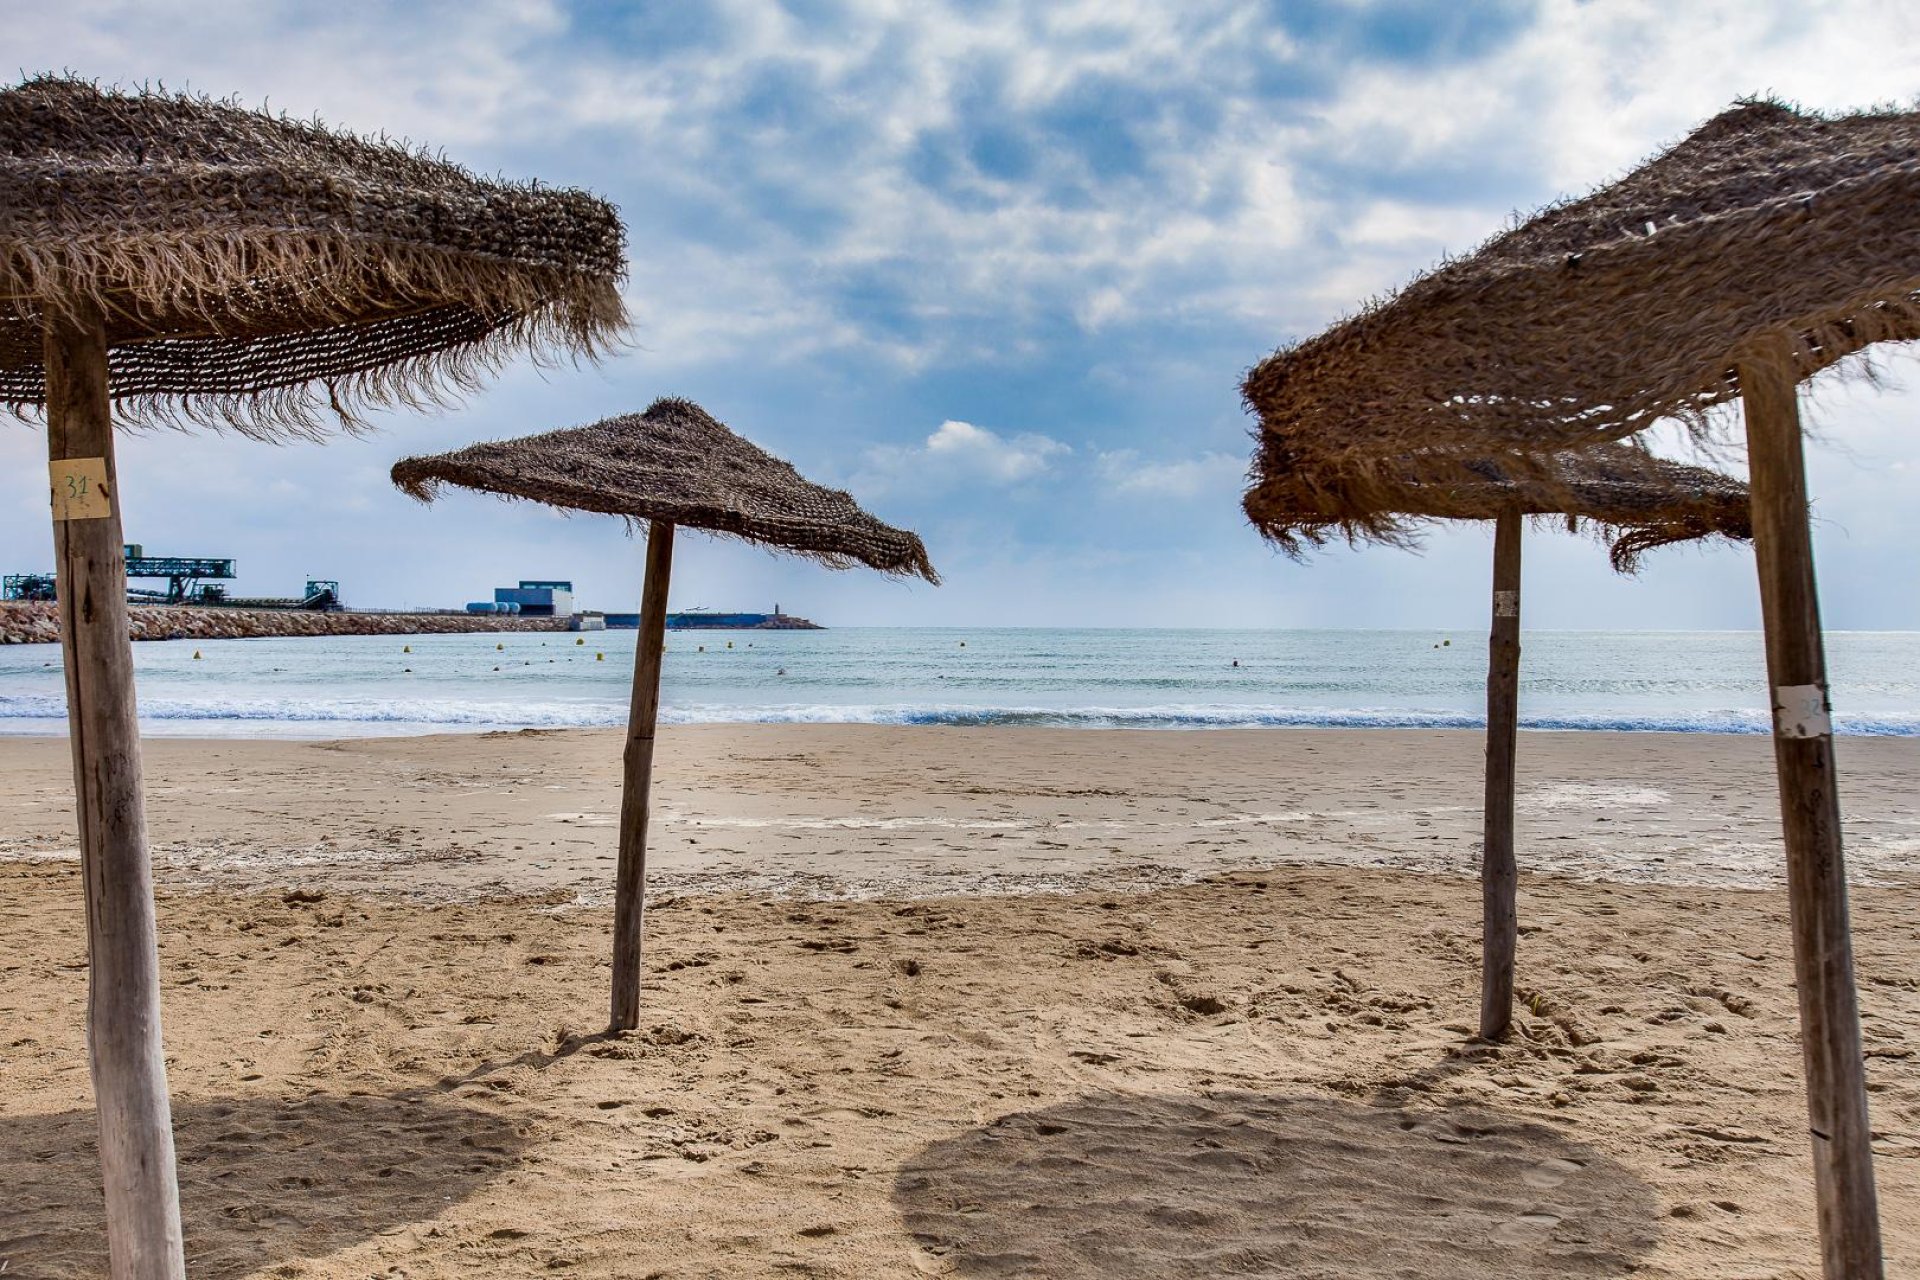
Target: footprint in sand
(1551, 1173)
(929, 1264)
(1526, 1229)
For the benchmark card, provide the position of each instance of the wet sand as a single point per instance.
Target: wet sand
(1174, 1047)
(885, 811)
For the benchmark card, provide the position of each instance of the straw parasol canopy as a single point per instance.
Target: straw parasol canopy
(1637, 502)
(672, 465)
(272, 275)
(676, 464)
(1768, 229)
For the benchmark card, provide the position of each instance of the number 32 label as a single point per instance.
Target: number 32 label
(80, 489)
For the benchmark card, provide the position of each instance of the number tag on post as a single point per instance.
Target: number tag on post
(1800, 711)
(80, 489)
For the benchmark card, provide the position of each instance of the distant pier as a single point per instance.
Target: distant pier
(709, 620)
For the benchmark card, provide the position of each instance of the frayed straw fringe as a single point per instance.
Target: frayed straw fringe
(1616, 493)
(1625, 547)
(446, 324)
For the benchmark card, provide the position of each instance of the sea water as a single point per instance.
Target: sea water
(339, 686)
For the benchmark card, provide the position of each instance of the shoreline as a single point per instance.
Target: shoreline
(325, 686)
(296, 730)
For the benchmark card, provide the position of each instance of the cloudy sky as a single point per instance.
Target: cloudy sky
(998, 268)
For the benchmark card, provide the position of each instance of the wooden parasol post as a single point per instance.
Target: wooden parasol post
(1499, 872)
(1810, 817)
(123, 988)
(630, 888)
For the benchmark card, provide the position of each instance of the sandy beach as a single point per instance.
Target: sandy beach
(962, 1002)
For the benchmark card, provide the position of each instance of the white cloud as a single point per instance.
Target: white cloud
(1000, 458)
(964, 452)
(1218, 475)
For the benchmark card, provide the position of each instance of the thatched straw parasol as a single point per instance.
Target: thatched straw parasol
(201, 263)
(672, 465)
(273, 276)
(1766, 232)
(1767, 246)
(1638, 502)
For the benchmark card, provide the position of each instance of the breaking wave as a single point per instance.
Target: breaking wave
(271, 716)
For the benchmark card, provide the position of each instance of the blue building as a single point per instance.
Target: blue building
(538, 598)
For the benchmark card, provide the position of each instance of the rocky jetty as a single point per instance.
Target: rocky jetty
(707, 620)
(40, 623)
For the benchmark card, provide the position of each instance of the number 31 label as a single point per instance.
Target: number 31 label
(80, 489)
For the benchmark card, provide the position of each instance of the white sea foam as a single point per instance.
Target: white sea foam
(37, 714)
(469, 714)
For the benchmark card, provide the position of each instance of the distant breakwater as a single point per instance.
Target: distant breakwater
(40, 623)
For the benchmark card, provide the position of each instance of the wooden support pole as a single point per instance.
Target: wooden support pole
(1499, 872)
(630, 889)
(123, 987)
(1810, 816)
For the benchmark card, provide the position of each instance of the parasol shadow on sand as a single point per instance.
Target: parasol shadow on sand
(1117, 1186)
(1767, 246)
(671, 465)
(185, 261)
(265, 1180)
(1633, 500)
